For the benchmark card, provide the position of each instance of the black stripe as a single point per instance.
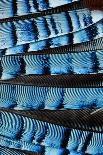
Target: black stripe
(20, 151)
(64, 81)
(73, 119)
(88, 46)
(14, 7)
(59, 9)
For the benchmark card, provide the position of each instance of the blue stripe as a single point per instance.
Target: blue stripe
(11, 8)
(53, 64)
(31, 97)
(42, 137)
(33, 30)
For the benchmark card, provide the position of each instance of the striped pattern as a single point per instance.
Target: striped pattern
(6, 151)
(32, 97)
(48, 138)
(52, 26)
(52, 64)
(10, 8)
(87, 35)
(82, 119)
(61, 81)
(58, 118)
(8, 122)
(45, 47)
